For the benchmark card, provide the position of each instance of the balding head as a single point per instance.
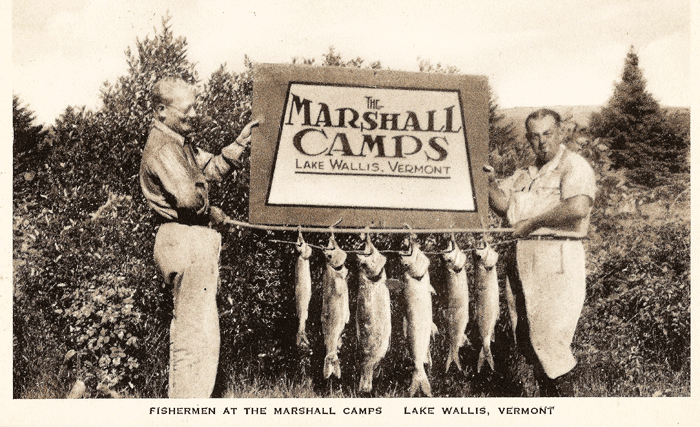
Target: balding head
(167, 89)
(174, 104)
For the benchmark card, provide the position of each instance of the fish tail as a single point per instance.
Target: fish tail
(302, 340)
(420, 382)
(434, 330)
(485, 354)
(453, 356)
(331, 366)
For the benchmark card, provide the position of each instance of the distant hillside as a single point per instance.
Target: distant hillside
(581, 115)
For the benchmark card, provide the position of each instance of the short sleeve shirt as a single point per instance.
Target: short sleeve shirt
(533, 191)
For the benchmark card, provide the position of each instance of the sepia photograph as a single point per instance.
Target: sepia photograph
(383, 212)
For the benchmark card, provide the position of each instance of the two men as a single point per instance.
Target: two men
(549, 206)
(175, 178)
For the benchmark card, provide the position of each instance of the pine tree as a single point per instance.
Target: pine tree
(640, 137)
(25, 134)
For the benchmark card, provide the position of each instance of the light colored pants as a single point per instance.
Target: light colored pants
(188, 258)
(553, 278)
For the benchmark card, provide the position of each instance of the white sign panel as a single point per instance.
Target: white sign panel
(365, 147)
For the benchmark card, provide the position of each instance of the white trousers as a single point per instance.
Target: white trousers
(553, 277)
(188, 258)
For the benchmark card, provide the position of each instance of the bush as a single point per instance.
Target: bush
(638, 302)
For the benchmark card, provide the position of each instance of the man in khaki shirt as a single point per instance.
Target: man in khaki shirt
(549, 206)
(175, 178)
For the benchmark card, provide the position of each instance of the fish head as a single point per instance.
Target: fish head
(416, 263)
(303, 248)
(335, 257)
(486, 256)
(455, 258)
(372, 262)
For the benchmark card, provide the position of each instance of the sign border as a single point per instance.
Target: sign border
(271, 88)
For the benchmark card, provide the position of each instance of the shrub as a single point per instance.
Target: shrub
(638, 303)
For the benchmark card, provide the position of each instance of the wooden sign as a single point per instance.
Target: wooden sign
(377, 148)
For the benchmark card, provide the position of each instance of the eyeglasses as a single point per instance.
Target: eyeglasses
(185, 112)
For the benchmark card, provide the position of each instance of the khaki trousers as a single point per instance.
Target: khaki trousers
(188, 258)
(551, 290)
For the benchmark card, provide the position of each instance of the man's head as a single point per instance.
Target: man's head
(544, 134)
(174, 101)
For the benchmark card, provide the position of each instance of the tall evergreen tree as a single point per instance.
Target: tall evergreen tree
(640, 137)
(25, 134)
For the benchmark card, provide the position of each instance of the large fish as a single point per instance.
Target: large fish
(303, 289)
(419, 325)
(486, 301)
(373, 313)
(335, 312)
(457, 302)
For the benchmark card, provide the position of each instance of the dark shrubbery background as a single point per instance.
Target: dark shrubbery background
(88, 303)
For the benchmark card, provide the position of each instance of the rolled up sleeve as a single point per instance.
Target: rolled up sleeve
(578, 179)
(216, 167)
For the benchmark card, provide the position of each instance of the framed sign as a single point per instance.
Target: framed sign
(375, 148)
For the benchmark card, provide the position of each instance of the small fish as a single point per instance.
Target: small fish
(512, 310)
(303, 289)
(335, 312)
(373, 313)
(457, 302)
(419, 326)
(486, 301)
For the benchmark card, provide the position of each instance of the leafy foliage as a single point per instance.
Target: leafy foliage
(100, 289)
(637, 311)
(88, 302)
(639, 132)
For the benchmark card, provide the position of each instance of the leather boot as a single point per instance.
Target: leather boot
(561, 386)
(548, 387)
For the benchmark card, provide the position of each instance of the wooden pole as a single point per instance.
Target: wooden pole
(359, 230)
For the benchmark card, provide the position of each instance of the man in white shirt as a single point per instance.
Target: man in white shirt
(549, 207)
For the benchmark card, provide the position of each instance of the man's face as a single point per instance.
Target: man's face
(179, 113)
(544, 136)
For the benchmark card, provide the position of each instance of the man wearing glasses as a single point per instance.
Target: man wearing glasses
(549, 206)
(175, 178)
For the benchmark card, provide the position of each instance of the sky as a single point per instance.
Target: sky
(545, 53)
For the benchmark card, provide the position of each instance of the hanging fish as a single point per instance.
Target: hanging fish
(457, 302)
(335, 312)
(419, 326)
(486, 301)
(373, 312)
(303, 289)
(512, 310)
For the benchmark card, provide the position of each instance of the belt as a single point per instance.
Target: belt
(553, 237)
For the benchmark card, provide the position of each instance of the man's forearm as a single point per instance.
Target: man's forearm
(232, 153)
(566, 213)
(498, 199)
